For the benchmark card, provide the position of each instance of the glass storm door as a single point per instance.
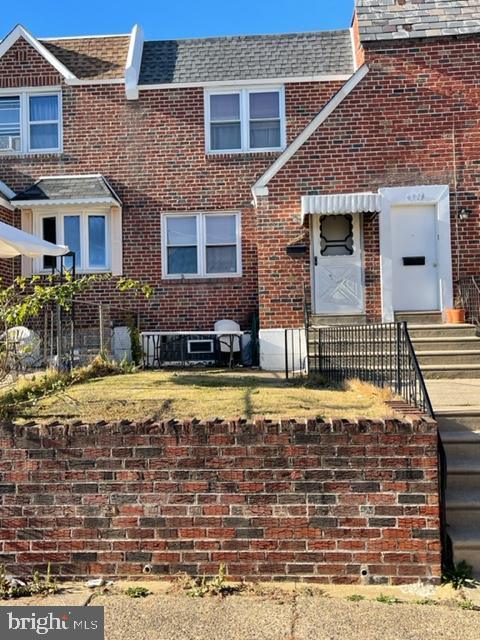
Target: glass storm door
(337, 260)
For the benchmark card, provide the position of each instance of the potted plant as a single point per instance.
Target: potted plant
(457, 314)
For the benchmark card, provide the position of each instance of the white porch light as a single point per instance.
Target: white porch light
(14, 242)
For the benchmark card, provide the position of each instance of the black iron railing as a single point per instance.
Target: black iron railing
(296, 353)
(381, 354)
(469, 298)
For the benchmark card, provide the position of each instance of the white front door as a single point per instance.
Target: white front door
(414, 258)
(337, 264)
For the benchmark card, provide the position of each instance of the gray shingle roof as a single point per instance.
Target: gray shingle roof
(68, 188)
(247, 57)
(394, 19)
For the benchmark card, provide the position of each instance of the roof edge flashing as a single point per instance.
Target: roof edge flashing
(134, 63)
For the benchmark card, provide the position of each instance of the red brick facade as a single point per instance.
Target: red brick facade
(153, 153)
(415, 111)
(333, 502)
(395, 129)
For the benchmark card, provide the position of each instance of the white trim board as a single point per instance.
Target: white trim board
(247, 82)
(438, 195)
(66, 201)
(20, 32)
(6, 191)
(77, 82)
(134, 63)
(260, 188)
(6, 204)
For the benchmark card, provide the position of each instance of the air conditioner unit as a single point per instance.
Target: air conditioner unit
(9, 143)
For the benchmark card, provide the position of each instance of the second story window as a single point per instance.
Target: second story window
(30, 123)
(245, 120)
(10, 123)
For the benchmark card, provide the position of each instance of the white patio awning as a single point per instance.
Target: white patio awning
(339, 203)
(15, 242)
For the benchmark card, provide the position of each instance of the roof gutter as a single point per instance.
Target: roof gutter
(66, 201)
(134, 61)
(260, 188)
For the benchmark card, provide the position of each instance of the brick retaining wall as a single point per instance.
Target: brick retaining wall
(311, 500)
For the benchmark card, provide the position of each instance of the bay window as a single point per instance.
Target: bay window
(30, 122)
(201, 245)
(245, 120)
(84, 233)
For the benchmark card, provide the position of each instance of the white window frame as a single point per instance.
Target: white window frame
(84, 215)
(24, 95)
(201, 244)
(244, 93)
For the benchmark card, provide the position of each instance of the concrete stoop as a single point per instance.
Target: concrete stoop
(449, 351)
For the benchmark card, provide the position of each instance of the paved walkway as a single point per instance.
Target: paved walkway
(461, 394)
(308, 613)
(303, 618)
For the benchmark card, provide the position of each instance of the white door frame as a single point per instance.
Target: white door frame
(438, 195)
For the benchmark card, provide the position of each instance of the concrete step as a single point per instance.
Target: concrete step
(448, 357)
(463, 475)
(458, 420)
(441, 330)
(451, 371)
(419, 317)
(462, 446)
(466, 546)
(463, 508)
(325, 320)
(446, 343)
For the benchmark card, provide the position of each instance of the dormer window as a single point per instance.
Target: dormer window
(30, 122)
(245, 120)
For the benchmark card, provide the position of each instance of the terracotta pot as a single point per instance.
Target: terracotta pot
(455, 316)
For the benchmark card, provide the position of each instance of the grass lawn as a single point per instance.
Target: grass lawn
(205, 394)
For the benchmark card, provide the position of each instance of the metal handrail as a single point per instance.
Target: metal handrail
(424, 399)
(382, 354)
(469, 294)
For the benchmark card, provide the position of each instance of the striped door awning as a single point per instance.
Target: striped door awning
(339, 203)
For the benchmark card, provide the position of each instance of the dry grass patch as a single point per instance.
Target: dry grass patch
(205, 394)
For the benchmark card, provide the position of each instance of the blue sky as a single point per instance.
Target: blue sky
(174, 18)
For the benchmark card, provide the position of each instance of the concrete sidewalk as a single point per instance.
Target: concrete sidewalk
(449, 395)
(163, 617)
(271, 612)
